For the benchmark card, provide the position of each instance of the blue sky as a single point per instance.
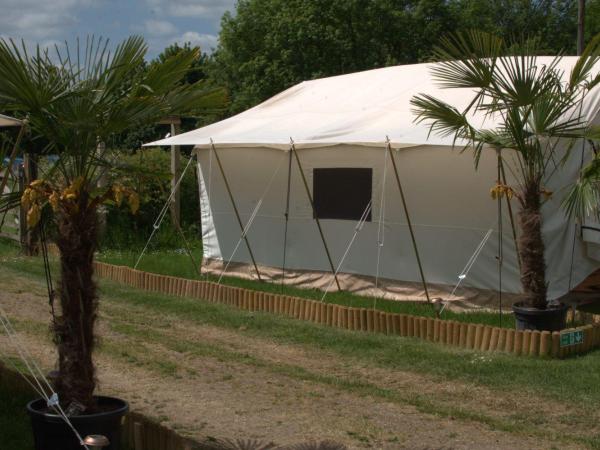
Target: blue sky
(161, 22)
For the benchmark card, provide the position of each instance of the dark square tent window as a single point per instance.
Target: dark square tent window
(342, 193)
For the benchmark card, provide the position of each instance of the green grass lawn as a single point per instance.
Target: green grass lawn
(178, 263)
(573, 381)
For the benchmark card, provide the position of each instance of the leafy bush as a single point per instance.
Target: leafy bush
(150, 176)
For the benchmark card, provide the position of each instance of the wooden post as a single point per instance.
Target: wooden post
(422, 327)
(449, 332)
(370, 321)
(555, 344)
(478, 336)
(510, 341)
(174, 123)
(430, 328)
(456, 334)
(485, 341)
(526, 342)
(138, 436)
(534, 343)
(442, 336)
(403, 325)
(501, 339)
(436, 330)
(494, 339)
(471, 336)
(545, 343)
(463, 334)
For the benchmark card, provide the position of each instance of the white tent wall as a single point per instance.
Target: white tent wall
(449, 204)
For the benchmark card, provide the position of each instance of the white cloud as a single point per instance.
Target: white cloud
(159, 28)
(39, 20)
(206, 42)
(208, 9)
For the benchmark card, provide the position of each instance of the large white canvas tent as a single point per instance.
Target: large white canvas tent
(346, 123)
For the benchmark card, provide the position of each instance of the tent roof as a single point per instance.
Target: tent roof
(6, 121)
(360, 108)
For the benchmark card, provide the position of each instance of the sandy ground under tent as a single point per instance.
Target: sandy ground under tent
(464, 298)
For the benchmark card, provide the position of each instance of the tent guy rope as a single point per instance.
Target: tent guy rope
(246, 228)
(36, 373)
(162, 213)
(381, 224)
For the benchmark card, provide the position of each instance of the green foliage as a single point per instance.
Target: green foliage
(14, 423)
(133, 139)
(151, 179)
(269, 45)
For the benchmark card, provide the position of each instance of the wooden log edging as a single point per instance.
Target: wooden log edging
(477, 337)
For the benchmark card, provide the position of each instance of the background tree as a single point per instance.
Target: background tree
(267, 46)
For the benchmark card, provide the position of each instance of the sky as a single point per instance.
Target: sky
(161, 22)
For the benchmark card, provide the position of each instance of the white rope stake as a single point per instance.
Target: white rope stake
(469, 265)
(357, 230)
(246, 228)
(163, 212)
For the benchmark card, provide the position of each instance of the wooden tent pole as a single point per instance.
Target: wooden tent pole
(410, 228)
(312, 204)
(287, 215)
(237, 214)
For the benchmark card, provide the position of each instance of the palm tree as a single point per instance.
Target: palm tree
(75, 101)
(536, 107)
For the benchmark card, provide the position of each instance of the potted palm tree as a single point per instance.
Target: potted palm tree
(536, 108)
(75, 103)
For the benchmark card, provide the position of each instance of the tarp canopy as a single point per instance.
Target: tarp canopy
(357, 109)
(6, 121)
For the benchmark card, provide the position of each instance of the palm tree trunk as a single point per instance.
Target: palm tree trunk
(74, 328)
(531, 247)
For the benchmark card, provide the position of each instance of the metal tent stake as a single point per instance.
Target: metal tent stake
(410, 228)
(312, 204)
(237, 214)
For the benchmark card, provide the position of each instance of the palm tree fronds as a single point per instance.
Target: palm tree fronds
(583, 198)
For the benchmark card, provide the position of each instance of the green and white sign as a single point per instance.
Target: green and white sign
(568, 338)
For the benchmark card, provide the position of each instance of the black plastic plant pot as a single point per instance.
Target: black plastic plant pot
(51, 432)
(553, 318)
